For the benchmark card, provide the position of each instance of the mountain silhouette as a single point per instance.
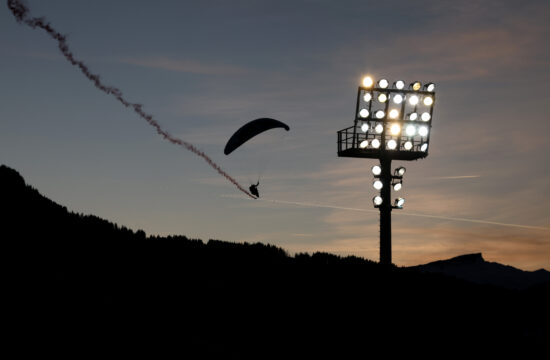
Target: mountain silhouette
(474, 268)
(78, 284)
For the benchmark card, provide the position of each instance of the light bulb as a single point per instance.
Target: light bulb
(367, 81)
(398, 99)
(395, 129)
(367, 97)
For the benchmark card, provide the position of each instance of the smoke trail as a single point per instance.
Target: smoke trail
(21, 13)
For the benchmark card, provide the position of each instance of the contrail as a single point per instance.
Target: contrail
(400, 213)
(454, 177)
(21, 13)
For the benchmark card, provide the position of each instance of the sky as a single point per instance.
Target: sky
(205, 68)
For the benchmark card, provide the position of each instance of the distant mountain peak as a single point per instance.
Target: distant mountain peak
(476, 258)
(472, 267)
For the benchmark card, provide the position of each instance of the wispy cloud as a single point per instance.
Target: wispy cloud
(458, 43)
(184, 65)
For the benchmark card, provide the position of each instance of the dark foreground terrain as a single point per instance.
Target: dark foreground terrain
(80, 285)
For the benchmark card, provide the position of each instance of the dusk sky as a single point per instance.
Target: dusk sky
(204, 68)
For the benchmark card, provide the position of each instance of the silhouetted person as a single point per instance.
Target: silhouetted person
(254, 189)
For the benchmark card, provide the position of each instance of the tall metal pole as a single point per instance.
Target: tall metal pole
(385, 211)
(377, 133)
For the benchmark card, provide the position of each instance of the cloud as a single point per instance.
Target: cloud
(465, 54)
(458, 43)
(184, 65)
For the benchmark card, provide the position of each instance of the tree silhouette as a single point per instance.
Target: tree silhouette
(81, 280)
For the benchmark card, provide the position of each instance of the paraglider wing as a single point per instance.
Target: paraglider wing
(251, 129)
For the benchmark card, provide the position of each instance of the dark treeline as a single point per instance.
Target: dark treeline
(80, 282)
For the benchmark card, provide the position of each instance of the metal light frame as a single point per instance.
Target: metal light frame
(349, 139)
(357, 140)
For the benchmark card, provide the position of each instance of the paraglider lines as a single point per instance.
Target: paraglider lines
(21, 13)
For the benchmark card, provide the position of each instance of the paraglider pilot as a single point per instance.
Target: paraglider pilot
(254, 189)
(247, 132)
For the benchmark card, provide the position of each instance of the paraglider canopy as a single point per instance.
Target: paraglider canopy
(251, 129)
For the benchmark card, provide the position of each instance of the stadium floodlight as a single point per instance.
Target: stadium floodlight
(397, 98)
(395, 129)
(400, 171)
(367, 97)
(393, 122)
(368, 82)
(423, 131)
(399, 202)
(383, 83)
(428, 100)
(394, 114)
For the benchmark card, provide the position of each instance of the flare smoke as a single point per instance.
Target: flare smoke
(21, 13)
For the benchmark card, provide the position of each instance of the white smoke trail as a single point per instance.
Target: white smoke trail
(305, 204)
(454, 177)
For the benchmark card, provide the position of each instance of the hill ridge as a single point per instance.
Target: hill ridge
(75, 276)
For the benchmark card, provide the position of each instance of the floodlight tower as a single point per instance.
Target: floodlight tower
(391, 123)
